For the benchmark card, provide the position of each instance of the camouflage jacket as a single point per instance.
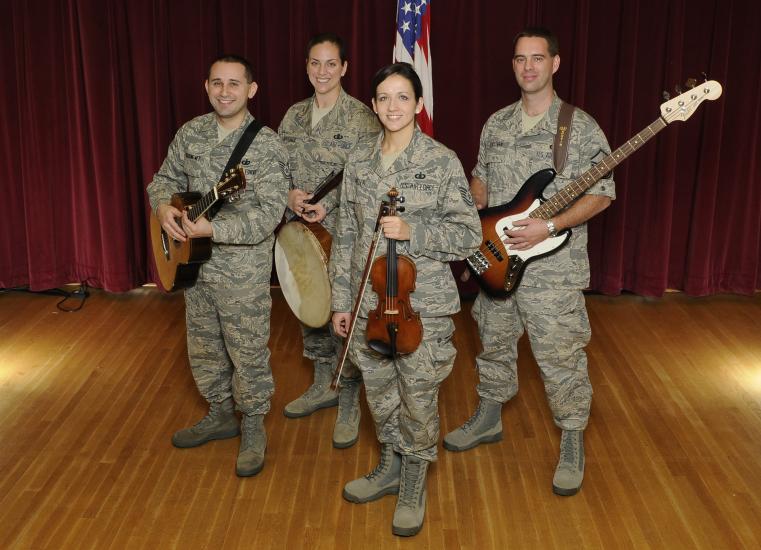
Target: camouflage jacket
(243, 230)
(315, 152)
(507, 157)
(443, 222)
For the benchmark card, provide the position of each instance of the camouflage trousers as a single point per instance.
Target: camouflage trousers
(403, 394)
(323, 348)
(228, 331)
(558, 330)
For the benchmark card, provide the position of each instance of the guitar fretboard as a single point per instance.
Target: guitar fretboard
(577, 187)
(200, 207)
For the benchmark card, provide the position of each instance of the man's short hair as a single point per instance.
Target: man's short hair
(232, 58)
(540, 32)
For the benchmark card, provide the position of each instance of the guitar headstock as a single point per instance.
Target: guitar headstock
(682, 106)
(233, 185)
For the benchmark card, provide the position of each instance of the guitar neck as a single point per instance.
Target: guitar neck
(580, 185)
(203, 205)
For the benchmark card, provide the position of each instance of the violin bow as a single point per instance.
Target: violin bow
(336, 383)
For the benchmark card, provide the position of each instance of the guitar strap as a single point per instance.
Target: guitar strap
(563, 136)
(240, 149)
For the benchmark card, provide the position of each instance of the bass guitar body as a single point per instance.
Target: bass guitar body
(178, 262)
(498, 270)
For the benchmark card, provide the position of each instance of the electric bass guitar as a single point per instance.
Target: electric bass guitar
(498, 270)
(178, 262)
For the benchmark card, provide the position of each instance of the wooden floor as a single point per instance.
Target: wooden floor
(89, 400)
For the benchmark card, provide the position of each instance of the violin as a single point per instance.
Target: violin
(385, 333)
(393, 328)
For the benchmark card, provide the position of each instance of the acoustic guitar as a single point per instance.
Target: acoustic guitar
(499, 270)
(178, 262)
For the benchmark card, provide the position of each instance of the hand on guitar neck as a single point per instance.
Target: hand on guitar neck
(168, 216)
(200, 228)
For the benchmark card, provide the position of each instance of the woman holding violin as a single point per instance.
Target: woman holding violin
(431, 220)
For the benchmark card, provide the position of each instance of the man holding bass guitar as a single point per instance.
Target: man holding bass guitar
(228, 309)
(319, 133)
(516, 142)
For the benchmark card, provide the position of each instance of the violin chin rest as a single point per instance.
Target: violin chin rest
(381, 347)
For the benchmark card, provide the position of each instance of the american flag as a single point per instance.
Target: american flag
(413, 45)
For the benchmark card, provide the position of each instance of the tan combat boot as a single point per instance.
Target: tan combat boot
(485, 426)
(318, 395)
(410, 506)
(570, 470)
(346, 430)
(383, 480)
(253, 443)
(219, 423)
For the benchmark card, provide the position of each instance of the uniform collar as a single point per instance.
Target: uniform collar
(413, 155)
(549, 122)
(304, 115)
(209, 130)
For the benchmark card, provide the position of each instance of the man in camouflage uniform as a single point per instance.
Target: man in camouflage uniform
(443, 225)
(515, 143)
(228, 309)
(319, 132)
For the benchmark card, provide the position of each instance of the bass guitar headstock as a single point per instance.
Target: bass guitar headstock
(682, 106)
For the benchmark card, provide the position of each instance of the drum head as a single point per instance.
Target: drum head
(303, 274)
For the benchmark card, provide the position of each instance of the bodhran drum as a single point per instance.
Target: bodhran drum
(302, 251)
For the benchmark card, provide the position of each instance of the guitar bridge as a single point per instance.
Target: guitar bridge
(478, 262)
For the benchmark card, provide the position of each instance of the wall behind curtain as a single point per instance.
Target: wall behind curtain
(94, 91)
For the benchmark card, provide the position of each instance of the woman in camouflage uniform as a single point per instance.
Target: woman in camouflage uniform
(319, 132)
(439, 224)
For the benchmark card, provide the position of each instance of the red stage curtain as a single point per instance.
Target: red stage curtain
(94, 92)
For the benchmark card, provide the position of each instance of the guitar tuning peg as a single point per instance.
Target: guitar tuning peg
(705, 77)
(691, 83)
(666, 96)
(678, 89)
